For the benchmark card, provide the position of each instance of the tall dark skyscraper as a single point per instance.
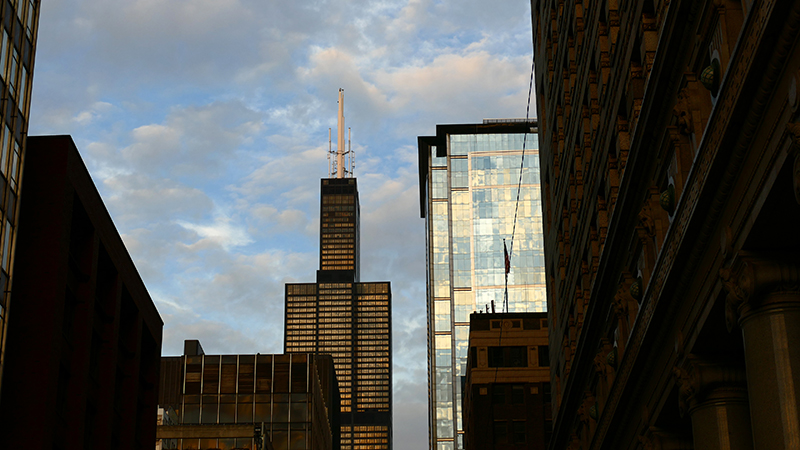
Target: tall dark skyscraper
(341, 316)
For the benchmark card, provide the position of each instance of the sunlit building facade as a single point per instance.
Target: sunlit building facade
(469, 177)
(253, 401)
(20, 20)
(350, 320)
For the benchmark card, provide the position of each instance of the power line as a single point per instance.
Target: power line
(519, 185)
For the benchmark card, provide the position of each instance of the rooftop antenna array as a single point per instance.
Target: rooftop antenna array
(339, 161)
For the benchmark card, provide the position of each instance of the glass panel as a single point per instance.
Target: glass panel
(262, 413)
(4, 54)
(442, 315)
(227, 444)
(227, 413)
(280, 411)
(245, 412)
(299, 412)
(208, 443)
(298, 440)
(4, 150)
(438, 184)
(209, 413)
(280, 440)
(191, 414)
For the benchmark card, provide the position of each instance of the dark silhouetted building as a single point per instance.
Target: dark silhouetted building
(222, 401)
(507, 390)
(20, 19)
(669, 136)
(83, 350)
(350, 320)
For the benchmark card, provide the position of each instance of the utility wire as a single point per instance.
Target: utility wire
(519, 185)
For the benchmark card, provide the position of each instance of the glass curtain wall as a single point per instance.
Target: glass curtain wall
(471, 204)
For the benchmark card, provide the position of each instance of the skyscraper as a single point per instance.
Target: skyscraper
(343, 317)
(469, 175)
(20, 20)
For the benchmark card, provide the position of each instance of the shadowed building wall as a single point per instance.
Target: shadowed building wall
(84, 347)
(670, 137)
(507, 390)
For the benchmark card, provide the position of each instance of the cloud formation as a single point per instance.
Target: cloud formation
(205, 126)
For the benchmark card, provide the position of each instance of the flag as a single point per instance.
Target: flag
(508, 260)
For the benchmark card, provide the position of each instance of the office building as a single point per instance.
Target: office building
(507, 389)
(671, 180)
(341, 316)
(276, 402)
(469, 180)
(20, 19)
(84, 346)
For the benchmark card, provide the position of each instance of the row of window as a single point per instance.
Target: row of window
(366, 300)
(337, 250)
(334, 236)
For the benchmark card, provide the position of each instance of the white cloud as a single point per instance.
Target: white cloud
(222, 232)
(204, 124)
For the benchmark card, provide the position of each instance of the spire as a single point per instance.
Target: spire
(338, 168)
(340, 145)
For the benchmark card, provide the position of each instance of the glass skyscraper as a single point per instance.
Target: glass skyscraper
(469, 176)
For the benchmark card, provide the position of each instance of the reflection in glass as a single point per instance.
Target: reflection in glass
(471, 211)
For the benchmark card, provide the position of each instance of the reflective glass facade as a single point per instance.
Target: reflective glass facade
(20, 20)
(347, 319)
(289, 394)
(468, 180)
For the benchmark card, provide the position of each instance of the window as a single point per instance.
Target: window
(517, 394)
(508, 357)
(498, 394)
(500, 432)
(544, 356)
(518, 431)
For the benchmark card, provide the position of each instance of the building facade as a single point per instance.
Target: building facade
(507, 391)
(350, 320)
(20, 19)
(671, 186)
(280, 402)
(84, 347)
(469, 179)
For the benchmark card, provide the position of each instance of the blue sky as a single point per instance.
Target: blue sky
(204, 124)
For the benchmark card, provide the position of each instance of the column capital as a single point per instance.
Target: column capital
(701, 381)
(751, 277)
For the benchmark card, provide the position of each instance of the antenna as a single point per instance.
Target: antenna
(340, 151)
(337, 166)
(350, 152)
(330, 150)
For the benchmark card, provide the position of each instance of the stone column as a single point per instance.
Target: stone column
(715, 396)
(764, 300)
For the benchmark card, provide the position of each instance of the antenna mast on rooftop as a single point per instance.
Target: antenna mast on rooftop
(337, 166)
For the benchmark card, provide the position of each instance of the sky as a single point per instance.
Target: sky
(204, 125)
